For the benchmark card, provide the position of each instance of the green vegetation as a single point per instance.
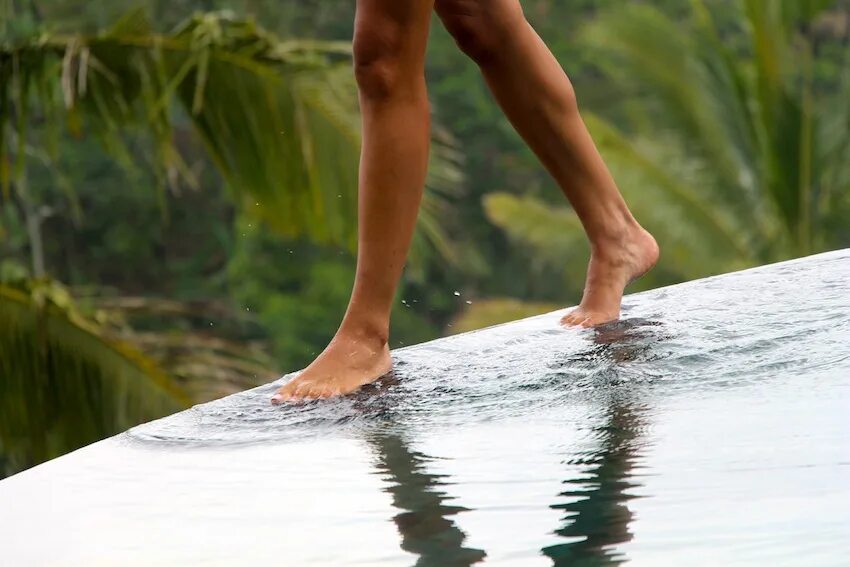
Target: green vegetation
(733, 151)
(64, 383)
(189, 175)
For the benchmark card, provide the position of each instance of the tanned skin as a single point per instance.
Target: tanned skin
(536, 95)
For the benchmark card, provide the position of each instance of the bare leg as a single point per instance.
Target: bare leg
(540, 102)
(389, 53)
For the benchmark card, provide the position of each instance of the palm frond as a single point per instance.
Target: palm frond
(687, 78)
(207, 365)
(554, 232)
(672, 195)
(750, 115)
(278, 118)
(63, 384)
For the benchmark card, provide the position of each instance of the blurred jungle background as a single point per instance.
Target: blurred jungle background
(177, 215)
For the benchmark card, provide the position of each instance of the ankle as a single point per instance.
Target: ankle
(367, 331)
(614, 235)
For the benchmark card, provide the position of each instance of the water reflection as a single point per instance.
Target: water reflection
(596, 518)
(424, 521)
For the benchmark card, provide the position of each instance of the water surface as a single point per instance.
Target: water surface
(709, 426)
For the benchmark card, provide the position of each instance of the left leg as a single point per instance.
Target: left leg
(536, 95)
(389, 65)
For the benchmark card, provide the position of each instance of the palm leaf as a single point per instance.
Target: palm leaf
(750, 116)
(688, 75)
(278, 118)
(672, 195)
(206, 365)
(554, 232)
(697, 237)
(63, 384)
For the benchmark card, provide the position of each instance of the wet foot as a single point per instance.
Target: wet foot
(350, 361)
(613, 266)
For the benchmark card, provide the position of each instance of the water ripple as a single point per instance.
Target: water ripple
(705, 333)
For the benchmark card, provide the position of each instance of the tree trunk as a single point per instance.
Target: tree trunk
(33, 219)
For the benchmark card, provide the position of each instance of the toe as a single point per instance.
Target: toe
(302, 391)
(596, 319)
(324, 393)
(572, 318)
(332, 391)
(282, 395)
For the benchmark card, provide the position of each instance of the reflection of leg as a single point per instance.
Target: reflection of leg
(538, 98)
(389, 54)
(423, 522)
(600, 519)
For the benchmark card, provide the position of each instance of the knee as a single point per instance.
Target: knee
(478, 28)
(471, 36)
(377, 65)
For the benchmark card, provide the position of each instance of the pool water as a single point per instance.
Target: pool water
(709, 426)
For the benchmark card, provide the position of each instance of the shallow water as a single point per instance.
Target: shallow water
(709, 426)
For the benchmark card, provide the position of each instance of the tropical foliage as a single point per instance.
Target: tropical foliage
(770, 138)
(64, 383)
(739, 151)
(736, 155)
(278, 118)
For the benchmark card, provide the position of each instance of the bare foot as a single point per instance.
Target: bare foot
(350, 360)
(613, 266)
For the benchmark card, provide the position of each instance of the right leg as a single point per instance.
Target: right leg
(389, 61)
(538, 98)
